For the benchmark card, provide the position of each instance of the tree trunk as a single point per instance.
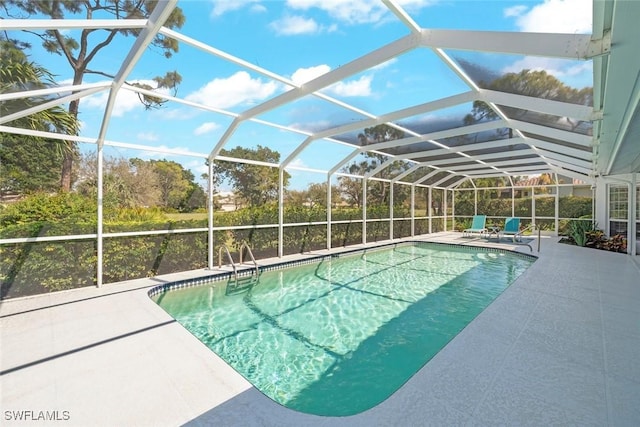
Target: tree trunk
(69, 151)
(67, 165)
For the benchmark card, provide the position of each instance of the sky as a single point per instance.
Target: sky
(300, 40)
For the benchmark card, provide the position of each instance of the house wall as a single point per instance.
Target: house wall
(602, 208)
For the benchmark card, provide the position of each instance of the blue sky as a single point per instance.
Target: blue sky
(299, 40)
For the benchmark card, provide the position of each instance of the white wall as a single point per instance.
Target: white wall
(602, 206)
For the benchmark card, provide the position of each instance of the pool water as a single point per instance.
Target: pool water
(340, 336)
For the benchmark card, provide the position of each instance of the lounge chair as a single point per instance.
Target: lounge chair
(477, 226)
(512, 228)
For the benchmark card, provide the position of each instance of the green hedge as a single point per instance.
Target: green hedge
(568, 207)
(401, 229)
(33, 268)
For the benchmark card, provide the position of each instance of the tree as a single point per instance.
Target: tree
(176, 187)
(318, 194)
(378, 190)
(29, 164)
(296, 197)
(538, 84)
(124, 186)
(254, 183)
(351, 188)
(149, 183)
(80, 52)
(314, 195)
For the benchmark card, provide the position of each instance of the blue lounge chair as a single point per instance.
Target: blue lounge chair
(477, 226)
(512, 228)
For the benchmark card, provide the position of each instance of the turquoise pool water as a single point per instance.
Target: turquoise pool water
(340, 336)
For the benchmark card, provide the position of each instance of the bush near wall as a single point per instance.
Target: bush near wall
(34, 268)
(401, 229)
(421, 226)
(575, 207)
(127, 258)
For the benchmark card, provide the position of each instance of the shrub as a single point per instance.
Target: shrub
(463, 223)
(575, 207)
(50, 208)
(578, 231)
(138, 214)
(597, 239)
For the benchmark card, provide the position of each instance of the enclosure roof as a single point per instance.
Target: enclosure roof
(416, 67)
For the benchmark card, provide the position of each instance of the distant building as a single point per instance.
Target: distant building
(227, 201)
(577, 188)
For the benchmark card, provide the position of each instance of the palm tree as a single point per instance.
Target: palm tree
(18, 74)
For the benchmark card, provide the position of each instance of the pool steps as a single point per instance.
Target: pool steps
(243, 246)
(246, 282)
(226, 249)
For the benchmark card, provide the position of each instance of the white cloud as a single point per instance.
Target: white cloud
(554, 16)
(356, 11)
(65, 82)
(514, 11)
(177, 113)
(298, 163)
(198, 167)
(359, 87)
(206, 128)
(238, 89)
(579, 68)
(293, 25)
(83, 127)
(257, 8)
(159, 154)
(312, 126)
(147, 136)
(220, 7)
(348, 11)
(385, 64)
(303, 75)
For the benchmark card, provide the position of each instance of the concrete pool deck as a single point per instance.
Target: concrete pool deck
(561, 346)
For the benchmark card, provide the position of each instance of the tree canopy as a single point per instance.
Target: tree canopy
(80, 52)
(532, 83)
(143, 183)
(314, 195)
(255, 184)
(378, 191)
(28, 163)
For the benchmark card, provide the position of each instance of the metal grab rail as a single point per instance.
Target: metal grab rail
(235, 270)
(539, 236)
(255, 264)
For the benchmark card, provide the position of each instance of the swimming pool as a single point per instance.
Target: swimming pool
(339, 336)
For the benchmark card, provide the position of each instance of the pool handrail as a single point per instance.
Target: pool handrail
(255, 264)
(235, 270)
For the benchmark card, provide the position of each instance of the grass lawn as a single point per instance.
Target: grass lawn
(186, 216)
